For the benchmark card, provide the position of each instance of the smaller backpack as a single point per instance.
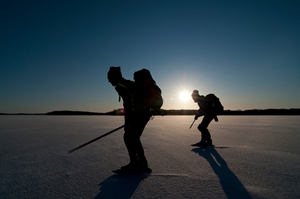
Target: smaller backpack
(148, 90)
(216, 104)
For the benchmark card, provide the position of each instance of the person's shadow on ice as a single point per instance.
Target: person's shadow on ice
(232, 186)
(120, 186)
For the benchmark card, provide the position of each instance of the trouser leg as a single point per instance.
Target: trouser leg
(132, 140)
(129, 143)
(205, 134)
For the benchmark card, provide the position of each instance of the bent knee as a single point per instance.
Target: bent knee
(201, 127)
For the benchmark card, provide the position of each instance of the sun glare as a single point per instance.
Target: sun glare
(184, 96)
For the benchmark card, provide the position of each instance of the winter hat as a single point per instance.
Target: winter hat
(114, 72)
(195, 93)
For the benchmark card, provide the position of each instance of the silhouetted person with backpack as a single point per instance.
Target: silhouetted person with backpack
(210, 106)
(135, 121)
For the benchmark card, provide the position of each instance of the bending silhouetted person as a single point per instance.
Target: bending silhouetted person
(210, 107)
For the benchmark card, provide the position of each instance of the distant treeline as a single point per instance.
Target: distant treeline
(78, 113)
(192, 112)
(292, 111)
(239, 112)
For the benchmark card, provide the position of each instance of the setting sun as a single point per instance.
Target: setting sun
(184, 95)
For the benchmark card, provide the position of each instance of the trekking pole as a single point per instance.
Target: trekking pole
(93, 140)
(192, 124)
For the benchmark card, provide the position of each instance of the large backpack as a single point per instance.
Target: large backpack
(216, 104)
(149, 92)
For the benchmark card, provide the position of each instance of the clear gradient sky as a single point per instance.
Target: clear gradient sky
(54, 55)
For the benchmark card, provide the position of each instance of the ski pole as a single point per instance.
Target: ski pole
(93, 140)
(192, 123)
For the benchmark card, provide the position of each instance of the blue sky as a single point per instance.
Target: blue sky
(54, 55)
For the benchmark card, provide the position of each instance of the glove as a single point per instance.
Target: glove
(196, 117)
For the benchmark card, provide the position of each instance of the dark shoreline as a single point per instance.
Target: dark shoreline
(292, 111)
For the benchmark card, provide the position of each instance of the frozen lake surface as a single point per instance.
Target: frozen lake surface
(254, 157)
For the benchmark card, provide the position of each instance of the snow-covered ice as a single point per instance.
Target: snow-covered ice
(254, 157)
